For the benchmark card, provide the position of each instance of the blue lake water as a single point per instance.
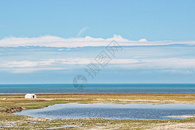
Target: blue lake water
(112, 111)
(98, 88)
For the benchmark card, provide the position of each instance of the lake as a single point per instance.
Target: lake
(98, 88)
(112, 111)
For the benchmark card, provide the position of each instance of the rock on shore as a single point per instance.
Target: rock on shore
(13, 109)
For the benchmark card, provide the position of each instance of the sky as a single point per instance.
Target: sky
(51, 41)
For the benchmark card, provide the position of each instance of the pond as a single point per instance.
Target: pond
(112, 111)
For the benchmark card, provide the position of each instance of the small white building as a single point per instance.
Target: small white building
(30, 96)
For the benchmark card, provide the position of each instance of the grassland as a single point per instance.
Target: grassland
(10, 121)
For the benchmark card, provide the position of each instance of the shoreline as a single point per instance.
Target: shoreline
(125, 98)
(92, 93)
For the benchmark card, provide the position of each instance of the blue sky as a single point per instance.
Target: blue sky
(132, 19)
(51, 41)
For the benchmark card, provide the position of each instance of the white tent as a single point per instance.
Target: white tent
(31, 96)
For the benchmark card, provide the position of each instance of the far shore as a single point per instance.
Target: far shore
(156, 98)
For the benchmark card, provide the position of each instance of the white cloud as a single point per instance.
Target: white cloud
(82, 31)
(48, 62)
(167, 64)
(31, 70)
(68, 61)
(164, 63)
(142, 40)
(54, 41)
(20, 64)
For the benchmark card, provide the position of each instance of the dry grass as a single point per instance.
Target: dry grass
(43, 100)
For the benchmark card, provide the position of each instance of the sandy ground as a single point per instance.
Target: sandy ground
(178, 126)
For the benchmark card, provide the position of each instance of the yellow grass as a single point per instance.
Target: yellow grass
(44, 100)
